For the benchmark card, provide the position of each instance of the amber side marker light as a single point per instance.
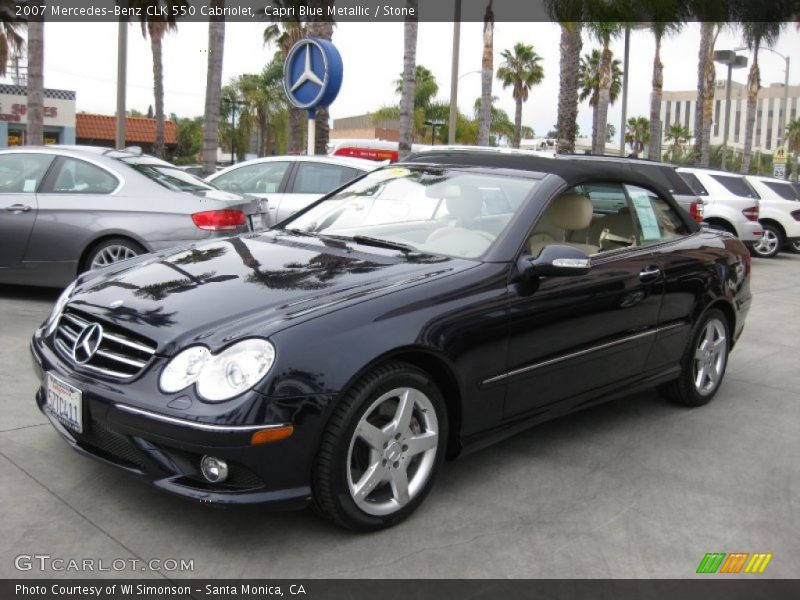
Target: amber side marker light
(265, 436)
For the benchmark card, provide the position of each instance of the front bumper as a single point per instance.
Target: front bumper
(166, 451)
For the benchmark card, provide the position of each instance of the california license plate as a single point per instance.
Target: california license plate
(257, 222)
(65, 403)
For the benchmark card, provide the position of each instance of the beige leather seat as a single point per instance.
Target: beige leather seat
(461, 237)
(568, 213)
(614, 230)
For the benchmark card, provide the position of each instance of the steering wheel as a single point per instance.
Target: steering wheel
(232, 186)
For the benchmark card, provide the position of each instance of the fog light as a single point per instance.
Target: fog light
(214, 469)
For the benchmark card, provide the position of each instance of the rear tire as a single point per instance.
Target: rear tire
(770, 243)
(382, 449)
(703, 363)
(111, 251)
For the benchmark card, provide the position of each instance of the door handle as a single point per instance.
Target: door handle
(649, 273)
(18, 208)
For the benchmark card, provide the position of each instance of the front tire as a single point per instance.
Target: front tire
(703, 363)
(770, 243)
(382, 449)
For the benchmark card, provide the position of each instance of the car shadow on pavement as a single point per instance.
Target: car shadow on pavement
(25, 292)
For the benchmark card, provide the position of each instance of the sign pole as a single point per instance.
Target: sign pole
(312, 131)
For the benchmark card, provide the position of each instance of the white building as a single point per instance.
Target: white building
(681, 106)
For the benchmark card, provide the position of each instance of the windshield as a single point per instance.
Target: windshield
(172, 178)
(427, 209)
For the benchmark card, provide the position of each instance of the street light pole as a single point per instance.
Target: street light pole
(727, 115)
(451, 134)
(624, 91)
(122, 65)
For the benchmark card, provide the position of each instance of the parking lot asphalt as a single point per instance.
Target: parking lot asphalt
(634, 488)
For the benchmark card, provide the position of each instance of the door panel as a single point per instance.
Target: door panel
(572, 335)
(20, 177)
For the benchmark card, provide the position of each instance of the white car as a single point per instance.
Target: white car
(730, 202)
(779, 214)
(290, 183)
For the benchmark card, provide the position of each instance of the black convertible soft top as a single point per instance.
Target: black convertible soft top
(573, 171)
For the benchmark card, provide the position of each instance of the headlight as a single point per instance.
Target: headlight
(55, 314)
(219, 377)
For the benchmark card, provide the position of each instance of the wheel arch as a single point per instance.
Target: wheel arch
(726, 308)
(723, 222)
(774, 223)
(104, 237)
(444, 377)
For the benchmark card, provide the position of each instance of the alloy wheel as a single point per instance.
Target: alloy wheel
(710, 357)
(768, 244)
(392, 451)
(112, 254)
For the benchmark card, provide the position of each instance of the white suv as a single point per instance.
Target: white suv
(731, 204)
(779, 214)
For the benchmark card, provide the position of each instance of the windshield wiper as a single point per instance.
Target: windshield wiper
(380, 243)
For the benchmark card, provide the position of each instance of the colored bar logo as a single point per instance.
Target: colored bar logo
(720, 562)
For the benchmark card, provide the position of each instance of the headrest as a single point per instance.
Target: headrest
(571, 211)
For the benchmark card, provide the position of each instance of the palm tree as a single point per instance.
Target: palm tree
(604, 31)
(660, 28)
(425, 86)
(678, 135)
(216, 45)
(500, 123)
(569, 14)
(409, 80)
(637, 133)
(487, 74)
(589, 84)
(756, 34)
(705, 93)
(35, 110)
(521, 70)
(793, 143)
(11, 39)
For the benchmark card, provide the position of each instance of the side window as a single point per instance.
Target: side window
(78, 177)
(694, 183)
(23, 172)
(592, 217)
(656, 220)
(260, 178)
(320, 178)
(736, 185)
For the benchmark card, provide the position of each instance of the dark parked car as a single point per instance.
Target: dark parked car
(422, 311)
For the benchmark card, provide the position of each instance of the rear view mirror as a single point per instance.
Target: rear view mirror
(554, 260)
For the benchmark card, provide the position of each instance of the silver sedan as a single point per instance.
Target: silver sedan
(68, 209)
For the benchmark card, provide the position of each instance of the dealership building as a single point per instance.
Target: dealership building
(680, 107)
(59, 115)
(63, 125)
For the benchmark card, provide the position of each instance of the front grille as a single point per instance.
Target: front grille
(120, 354)
(110, 445)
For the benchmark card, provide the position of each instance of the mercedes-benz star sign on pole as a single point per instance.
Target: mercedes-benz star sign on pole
(312, 76)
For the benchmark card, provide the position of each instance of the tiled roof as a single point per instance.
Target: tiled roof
(137, 129)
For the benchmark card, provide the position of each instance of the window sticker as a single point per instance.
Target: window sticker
(647, 217)
(29, 185)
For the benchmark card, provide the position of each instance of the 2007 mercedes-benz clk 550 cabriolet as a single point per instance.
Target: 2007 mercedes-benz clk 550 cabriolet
(424, 310)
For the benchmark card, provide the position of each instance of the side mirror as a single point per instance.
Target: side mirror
(554, 260)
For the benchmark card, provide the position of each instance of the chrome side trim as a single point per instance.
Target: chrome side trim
(571, 355)
(196, 425)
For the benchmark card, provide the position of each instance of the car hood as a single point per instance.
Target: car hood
(255, 284)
